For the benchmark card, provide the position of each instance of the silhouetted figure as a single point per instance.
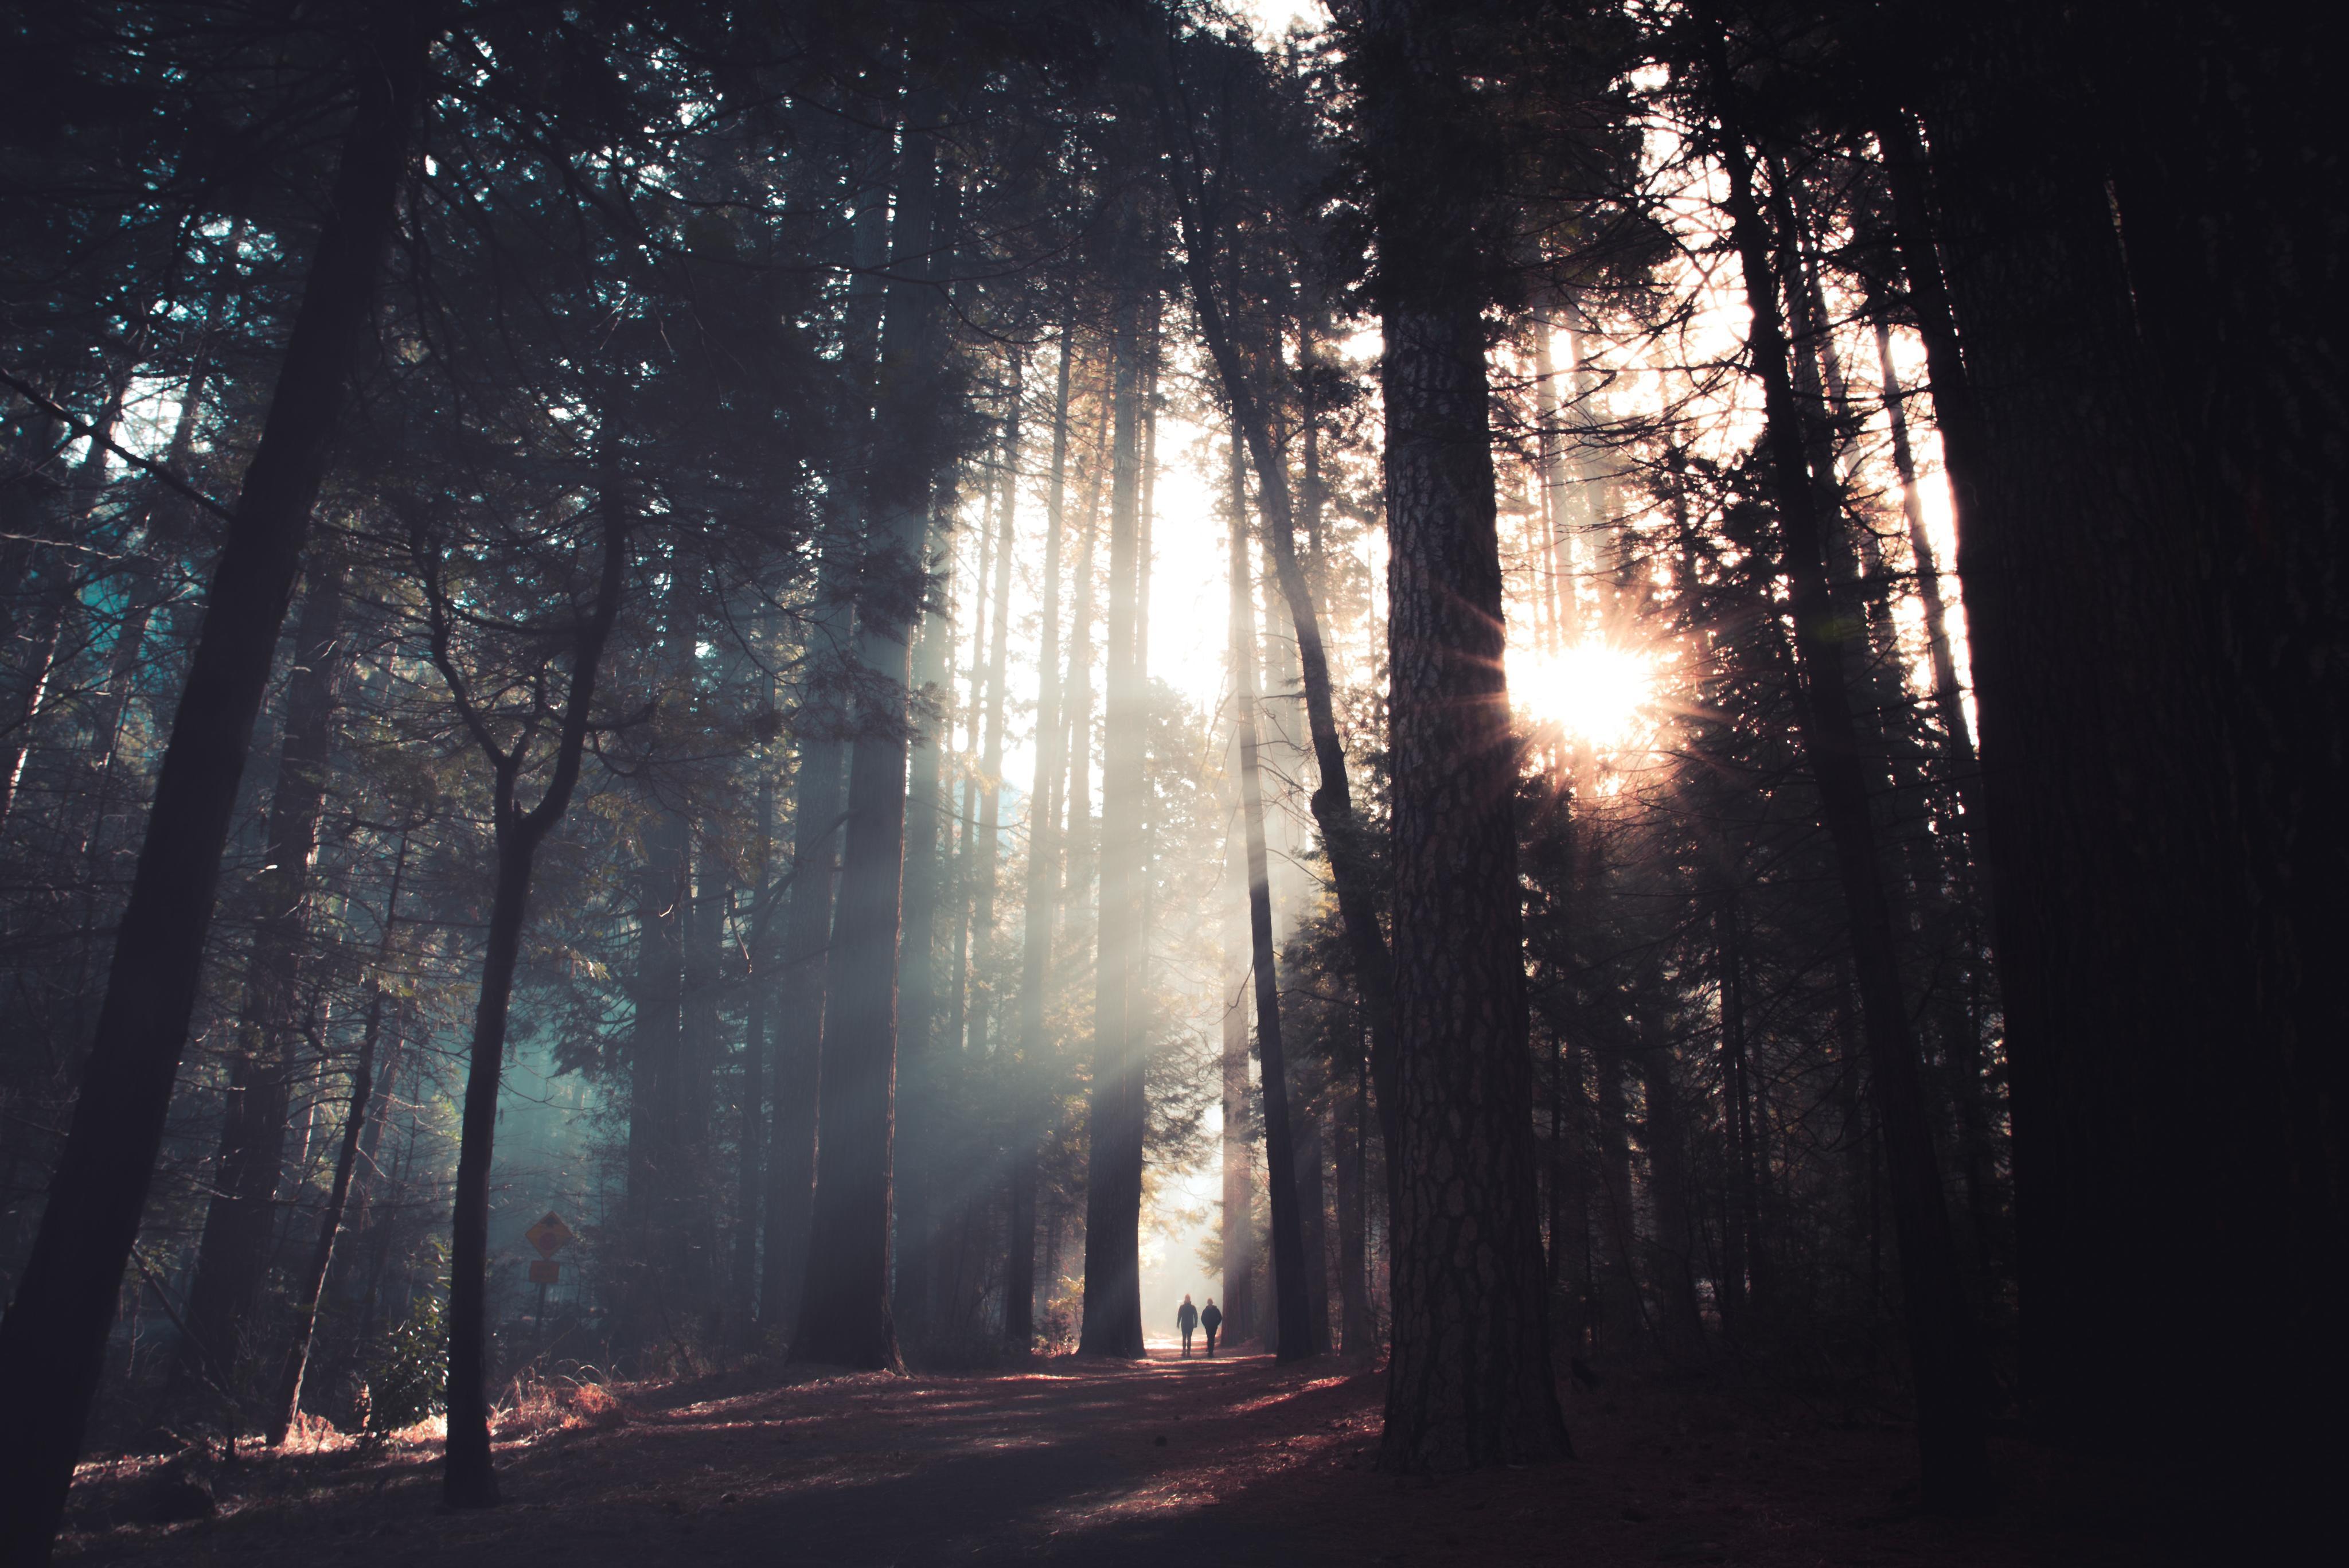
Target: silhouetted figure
(1211, 1320)
(1186, 1318)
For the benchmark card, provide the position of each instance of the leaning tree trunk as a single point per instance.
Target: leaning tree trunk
(1945, 1360)
(845, 1311)
(1292, 1304)
(53, 1341)
(1470, 1382)
(287, 1407)
(1343, 837)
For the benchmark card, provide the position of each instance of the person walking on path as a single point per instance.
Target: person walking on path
(1186, 1318)
(1211, 1320)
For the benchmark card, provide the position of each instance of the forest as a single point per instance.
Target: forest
(736, 738)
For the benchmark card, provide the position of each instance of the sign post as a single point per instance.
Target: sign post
(550, 1236)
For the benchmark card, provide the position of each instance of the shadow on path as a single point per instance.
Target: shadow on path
(1074, 1462)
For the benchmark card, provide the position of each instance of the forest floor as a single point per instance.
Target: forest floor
(1202, 1463)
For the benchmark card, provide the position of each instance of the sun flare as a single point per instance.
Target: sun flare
(1597, 692)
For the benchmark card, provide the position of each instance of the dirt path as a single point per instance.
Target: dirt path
(1234, 1461)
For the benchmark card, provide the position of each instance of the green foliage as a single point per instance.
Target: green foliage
(408, 1378)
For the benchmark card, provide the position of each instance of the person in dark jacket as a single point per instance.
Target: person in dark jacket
(1211, 1320)
(1186, 1318)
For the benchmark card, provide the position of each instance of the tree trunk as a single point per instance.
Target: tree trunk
(1238, 1228)
(1622, 1308)
(656, 1198)
(467, 1478)
(925, 1053)
(1674, 1250)
(1558, 552)
(844, 1313)
(2139, 241)
(990, 764)
(1351, 869)
(1747, 1268)
(1470, 1382)
(749, 1184)
(705, 929)
(1077, 834)
(1357, 1332)
(53, 1341)
(1310, 1124)
(1117, 1113)
(233, 1253)
(1942, 1351)
(288, 1406)
(1292, 1303)
(1037, 912)
(816, 790)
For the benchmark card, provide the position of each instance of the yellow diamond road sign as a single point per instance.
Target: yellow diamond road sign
(549, 1235)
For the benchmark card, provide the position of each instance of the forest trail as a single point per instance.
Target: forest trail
(1200, 1463)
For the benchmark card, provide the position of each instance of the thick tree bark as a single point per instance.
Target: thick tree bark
(844, 1313)
(467, 1480)
(2139, 228)
(1945, 1360)
(53, 1341)
(1470, 1381)
(1294, 1338)
(158, 525)
(1470, 1384)
(1118, 1117)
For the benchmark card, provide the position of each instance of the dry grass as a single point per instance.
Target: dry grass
(538, 1405)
